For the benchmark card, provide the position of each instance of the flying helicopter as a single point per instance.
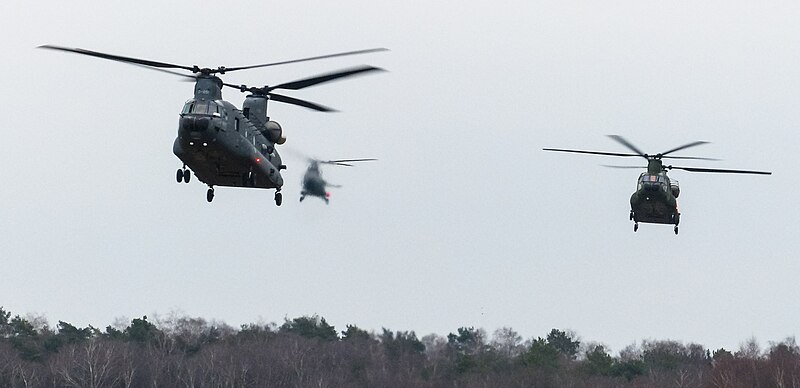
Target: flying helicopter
(655, 199)
(313, 183)
(221, 144)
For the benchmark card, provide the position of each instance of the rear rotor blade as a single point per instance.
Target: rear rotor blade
(692, 144)
(118, 58)
(299, 102)
(351, 160)
(718, 170)
(627, 144)
(589, 152)
(304, 83)
(341, 162)
(307, 59)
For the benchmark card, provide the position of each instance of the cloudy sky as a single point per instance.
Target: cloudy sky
(464, 221)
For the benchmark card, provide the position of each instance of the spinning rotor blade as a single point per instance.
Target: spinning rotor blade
(280, 97)
(299, 102)
(636, 167)
(345, 162)
(119, 58)
(350, 160)
(633, 148)
(621, 140)
(308, 59)
(688, 158)
(589, 152)
(717, 170)
(195, 69)
(304, 83)
(692, 144)
(186, 77)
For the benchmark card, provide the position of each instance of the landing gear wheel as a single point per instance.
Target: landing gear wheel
(635, 227)
(279, 198)
(210, 194)
(187, 176)
(179, 175)
(302, 198)
(676, 229)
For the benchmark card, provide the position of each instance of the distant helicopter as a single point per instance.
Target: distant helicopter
(314, 185)
(223, 145)
(655, 200)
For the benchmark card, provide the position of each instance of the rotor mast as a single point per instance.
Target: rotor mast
(654, 166)
(208, 87)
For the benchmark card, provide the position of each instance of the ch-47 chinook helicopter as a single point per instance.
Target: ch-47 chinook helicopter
(314, 185)
(655, 200)
(223, 145)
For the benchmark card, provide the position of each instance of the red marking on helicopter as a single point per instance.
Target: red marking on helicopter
(327, 194)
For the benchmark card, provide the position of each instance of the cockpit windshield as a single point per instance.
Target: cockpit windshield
(653, 182)
(202, 108)
(653, 178)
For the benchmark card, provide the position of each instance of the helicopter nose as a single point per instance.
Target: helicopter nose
(195, 123)
(650, 187)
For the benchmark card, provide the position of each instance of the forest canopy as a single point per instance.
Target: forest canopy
(307, 351)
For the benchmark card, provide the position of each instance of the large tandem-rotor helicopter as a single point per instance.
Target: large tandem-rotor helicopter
(313, 183)
(225, 146)
(655, 199)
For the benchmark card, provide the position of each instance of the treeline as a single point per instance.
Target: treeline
(308, 352)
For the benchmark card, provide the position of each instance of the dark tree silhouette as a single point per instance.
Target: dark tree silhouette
(307, 351)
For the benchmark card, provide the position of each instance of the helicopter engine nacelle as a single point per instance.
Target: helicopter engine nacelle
(274, 132)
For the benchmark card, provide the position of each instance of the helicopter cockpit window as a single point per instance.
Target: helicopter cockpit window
(653, 181)
(219, 110)
(187, 108)
(650, 178)
(203, 107)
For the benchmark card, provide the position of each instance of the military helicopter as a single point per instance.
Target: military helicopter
(314, 185)
(225, 146)
(655, 199)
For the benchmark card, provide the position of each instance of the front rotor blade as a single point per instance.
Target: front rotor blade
(118, 58)
(717, 170)
(304, 83)
(692, 144)
(186, 77)
(589, 152)
(636, 167)
(627, 144)
(334, 163)
(307, 59)
(299, 102)
(237, 87)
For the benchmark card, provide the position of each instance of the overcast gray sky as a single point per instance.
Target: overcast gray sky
(464, 221)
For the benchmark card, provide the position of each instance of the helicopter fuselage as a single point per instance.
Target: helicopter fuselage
(655, 200)
(225, 148)
(313, 184)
